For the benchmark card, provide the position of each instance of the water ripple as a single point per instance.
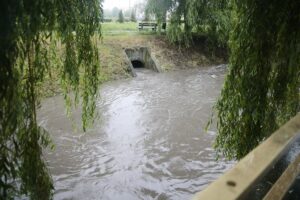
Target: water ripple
(148, 142)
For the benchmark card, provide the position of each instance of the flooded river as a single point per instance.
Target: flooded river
(148, 142)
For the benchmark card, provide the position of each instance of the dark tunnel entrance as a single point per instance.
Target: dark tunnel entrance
(137, 64)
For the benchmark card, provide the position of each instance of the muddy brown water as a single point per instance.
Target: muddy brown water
(148, 142)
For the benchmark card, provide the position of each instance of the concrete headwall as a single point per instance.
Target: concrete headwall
(143, 55)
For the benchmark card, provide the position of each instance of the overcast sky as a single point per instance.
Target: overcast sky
(122, 4)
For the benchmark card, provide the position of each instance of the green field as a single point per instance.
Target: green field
(116, 28)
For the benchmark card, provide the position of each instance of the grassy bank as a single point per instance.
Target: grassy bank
(108, 27)
(118, 36)
(126, 28)
(170, 57)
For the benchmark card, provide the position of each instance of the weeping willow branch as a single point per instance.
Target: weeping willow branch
(261, 90)
(34, 35)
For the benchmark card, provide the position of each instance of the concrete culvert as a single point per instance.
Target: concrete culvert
(140, 57)
(137, 64)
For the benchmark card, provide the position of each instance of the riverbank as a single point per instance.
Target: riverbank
(113, 62)
(170, 57)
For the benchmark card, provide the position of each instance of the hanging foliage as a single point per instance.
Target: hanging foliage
(261, 90)
(34, 34)
(179, 29)
(159, 8)
(212, 19)
(194, 18)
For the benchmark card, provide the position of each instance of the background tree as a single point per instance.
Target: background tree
(127, 14)
(211, 19)
(261, 90)
(115, 12)
(179, 30)
(133, 15)
(121, 17)
(140, 8)
(192, 19)
(146, 15)
(30, 33)
(159, 8)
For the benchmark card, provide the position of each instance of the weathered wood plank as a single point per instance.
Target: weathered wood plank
(237, 181)
(284, 182)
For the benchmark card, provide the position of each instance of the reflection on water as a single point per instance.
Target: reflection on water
(148, 142)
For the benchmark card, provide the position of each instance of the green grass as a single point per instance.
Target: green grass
(126, 28)
(116, 26)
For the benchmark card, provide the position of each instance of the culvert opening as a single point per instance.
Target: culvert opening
(140, 57)
(137, 64)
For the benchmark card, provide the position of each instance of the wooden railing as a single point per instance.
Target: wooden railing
(238, 181)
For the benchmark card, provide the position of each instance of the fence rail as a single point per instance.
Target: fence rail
(237, 182)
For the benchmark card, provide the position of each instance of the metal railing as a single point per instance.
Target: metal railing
(237, 182)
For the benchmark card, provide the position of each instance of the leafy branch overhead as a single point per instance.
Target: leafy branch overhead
(261, 90)
(189, 19)
(33, 34)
